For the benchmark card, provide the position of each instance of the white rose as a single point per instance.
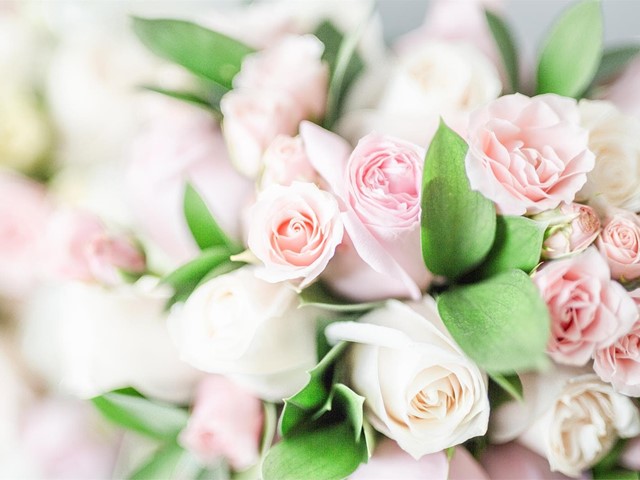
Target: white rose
(614, 138)
(420, 388)
(572, 419)
(251, 330)
(90, 340)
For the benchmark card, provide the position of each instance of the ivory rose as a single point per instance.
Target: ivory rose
(528, 154)
(24, 210)
(252, 119)
(286, 161)
(378, 187)
(570, 418)
(79, 247)
(294, 231)
(420, 389)
(226, 421)
(614, 138)
(572, 228)
(180, 145)
(588, 310)
(251, 330)
(619, 243)
(293, 66)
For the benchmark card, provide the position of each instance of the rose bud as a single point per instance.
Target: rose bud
(619, 243)
(573, 227)
(285, 161)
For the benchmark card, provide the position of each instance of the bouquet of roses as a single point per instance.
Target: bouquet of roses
(344, 265)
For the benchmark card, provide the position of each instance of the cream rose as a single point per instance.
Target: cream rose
(614, 138)
(251, 330)
(420, 388)
(285, 161)
(294, 231)
(573, 420)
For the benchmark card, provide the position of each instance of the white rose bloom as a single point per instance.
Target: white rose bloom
(614, 138)
(90, 340)
(420, 388)
(570, 418)
(248, 329)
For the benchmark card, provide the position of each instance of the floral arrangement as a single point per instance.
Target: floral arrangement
(336, 262)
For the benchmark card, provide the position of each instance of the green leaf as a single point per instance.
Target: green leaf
(510, 384)
(327, 453)
(572, 52)
(206, 53)
(348, 65)
(212, 105)
(162, 464)
(204, 228)
(186, 278)
(615, 474)
(611, 460)
(502, 323)
(507, 47)
(518, 244)
(150, 418)
(346, 400)
(458, 224)
(270, 425)
(313, 395)
(317, 295)
(614, 60)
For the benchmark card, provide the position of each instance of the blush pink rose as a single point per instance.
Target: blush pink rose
(588, 310)
(24, 210)
(528, 154)
(512, 460)
(66, 439)
(619, 364)
(79, 247)
(286, 161)
(294, 231)
(378, 186)
(573, 228)
(253, 118)
(619, 243)
(226, 422)
(293, 66)
(183, 145)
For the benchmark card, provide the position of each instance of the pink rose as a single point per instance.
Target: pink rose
(252, 119)
(623, 92)
(619, 243)
(293, 66)
(79, 247)
(512, 460)
(24, 210)
(183, 145)
(588, 310)
(573, 228)
(631, 454)
(528, 154)
(619, 364)
(378, 186)
(286, 161)
(226, 421)
(294, 231)
(66, 439)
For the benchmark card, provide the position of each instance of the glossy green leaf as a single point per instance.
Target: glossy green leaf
(572, 52)
(205, 230)
(614, 60)
(510, 384)
(458, 224)
(211, 105)
(326, 453)
(501, 323)
(507, 47)
(304, 404)
(208, 54)
(162, 464)
(318, 296)
(150, 418)
(344, 69)
(518, 244)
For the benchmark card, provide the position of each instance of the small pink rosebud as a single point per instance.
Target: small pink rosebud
(573, 228)
(619, 243)
(226, 422)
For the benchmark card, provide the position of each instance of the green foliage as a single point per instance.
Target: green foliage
(572, 52)
(207, 54)
(458, 224)
(501, 323)
(317, 295)
(614, 60)
(507, 47)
